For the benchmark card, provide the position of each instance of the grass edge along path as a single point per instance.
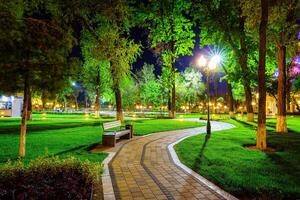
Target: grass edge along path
(225, 161)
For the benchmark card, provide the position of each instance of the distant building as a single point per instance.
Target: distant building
(11, 106)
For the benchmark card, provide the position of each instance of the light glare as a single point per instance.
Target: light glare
(202, 61)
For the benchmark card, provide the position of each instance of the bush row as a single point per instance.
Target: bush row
(49, 178)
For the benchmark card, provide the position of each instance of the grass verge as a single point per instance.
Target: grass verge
(223, 160)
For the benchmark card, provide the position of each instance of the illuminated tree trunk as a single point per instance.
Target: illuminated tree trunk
(97, 101)
(230, 101)
(29, 106)
(243, 60)
(169, 103)
(247, 89)
(24, 118)
(281, 126)
(261, 142)
(119, 102)
(76, 101)
(44, 100)
(55, 102)
(173, 100)
(215, 82)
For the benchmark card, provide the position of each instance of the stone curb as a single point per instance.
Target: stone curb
(108, 190)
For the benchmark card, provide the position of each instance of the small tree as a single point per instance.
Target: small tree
(150, 87)
(171, 34)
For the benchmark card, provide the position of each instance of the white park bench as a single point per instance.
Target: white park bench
(109, 137)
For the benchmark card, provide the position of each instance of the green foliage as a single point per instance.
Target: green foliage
(33, 48)
(95, 72)
(296, 84)
(171, 33)
(131, 93)
(190, 87)
(151, 88)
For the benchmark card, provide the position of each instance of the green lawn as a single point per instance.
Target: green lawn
(66, 135)
(223, 159)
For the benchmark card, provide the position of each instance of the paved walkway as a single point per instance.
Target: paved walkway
(144, 169)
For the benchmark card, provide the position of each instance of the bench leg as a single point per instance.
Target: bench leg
(109, 140)
(131, 131)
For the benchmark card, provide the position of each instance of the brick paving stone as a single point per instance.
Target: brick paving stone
(143, 169)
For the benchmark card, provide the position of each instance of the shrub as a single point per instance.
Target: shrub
(49, 178)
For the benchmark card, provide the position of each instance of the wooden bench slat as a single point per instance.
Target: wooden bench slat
(109, 125)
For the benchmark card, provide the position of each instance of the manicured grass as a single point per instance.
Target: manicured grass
(68, 135)
(224, 160)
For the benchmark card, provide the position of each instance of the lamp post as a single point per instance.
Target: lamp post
(212, 64)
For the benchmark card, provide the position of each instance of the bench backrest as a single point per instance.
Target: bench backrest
(109, 125)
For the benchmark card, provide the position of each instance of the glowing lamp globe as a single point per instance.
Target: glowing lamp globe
(202, 61)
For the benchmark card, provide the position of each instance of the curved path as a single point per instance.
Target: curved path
(144, 169)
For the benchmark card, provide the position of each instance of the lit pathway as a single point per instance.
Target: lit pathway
(144, 169)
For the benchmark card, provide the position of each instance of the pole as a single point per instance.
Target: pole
(208, 128)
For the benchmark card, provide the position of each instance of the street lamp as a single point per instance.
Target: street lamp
(208, 65)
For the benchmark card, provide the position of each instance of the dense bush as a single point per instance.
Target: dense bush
(49, 178)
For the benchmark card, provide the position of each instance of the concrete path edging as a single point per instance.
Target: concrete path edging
(211, 185)
(107, 187)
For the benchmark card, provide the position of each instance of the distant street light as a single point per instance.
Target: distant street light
(208, 65)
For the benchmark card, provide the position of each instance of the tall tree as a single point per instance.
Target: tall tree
(171, 34)
(223, 23)
(95, 69)
(283, 30)
(41, 45)
(261, 142)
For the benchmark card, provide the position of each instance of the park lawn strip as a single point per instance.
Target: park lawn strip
(69, 137)
(241, 171)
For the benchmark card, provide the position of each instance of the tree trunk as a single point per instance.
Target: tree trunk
(118, 96)
(247, 89)
(29, 106)
(281, 126)
(249, 107)
(243, 60)
(230, 100)
(173, 102)
(76, 102)
(24, 118)
(65, 104)
(97, 101)
(44, 99)
(261, 142)
(169, 103)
